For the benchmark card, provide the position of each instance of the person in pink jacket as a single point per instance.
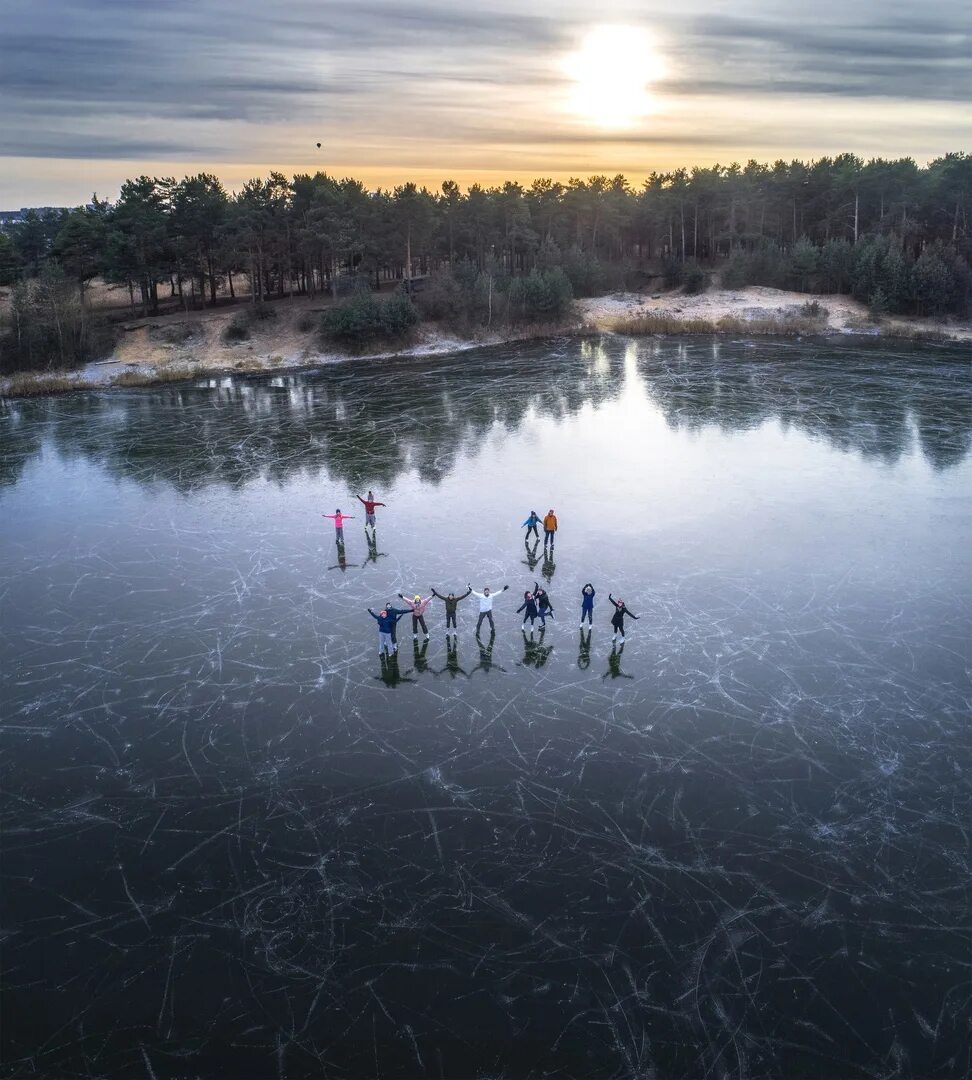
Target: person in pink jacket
(418, 606)
(339, 520)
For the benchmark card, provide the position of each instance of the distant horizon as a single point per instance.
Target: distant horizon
(428, 177)
(95, 93)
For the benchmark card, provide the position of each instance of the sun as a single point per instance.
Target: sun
(612, 74)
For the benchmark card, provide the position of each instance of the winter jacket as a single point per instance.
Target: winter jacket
(550, 523)
(486, 602)
(530, 606)
(543, 598)
(587, 598)
(451, 605)
(387, 622)
(617, 619)
(369, 504)
(339, 519)
(417, 608)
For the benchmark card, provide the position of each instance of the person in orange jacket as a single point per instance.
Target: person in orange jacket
(549, 528)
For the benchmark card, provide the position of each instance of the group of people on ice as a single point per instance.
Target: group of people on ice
(536, 606)
(536, 602)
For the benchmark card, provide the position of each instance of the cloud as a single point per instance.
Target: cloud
(245, 80)
(900, 58)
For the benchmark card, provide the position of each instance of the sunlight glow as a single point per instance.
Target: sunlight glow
(612, 73)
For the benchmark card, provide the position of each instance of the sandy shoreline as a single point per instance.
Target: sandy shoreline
(180, 346)
(844, 315)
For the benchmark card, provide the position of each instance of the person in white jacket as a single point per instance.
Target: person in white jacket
(486, 599)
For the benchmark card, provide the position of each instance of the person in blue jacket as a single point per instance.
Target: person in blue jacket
(532, 523)
(386, 627)
(392, 610)
(587, 605)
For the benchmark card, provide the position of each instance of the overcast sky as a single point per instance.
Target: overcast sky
(94, 91)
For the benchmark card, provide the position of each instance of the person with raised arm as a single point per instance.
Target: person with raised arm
(486, 598)
(531, 524)
(587, 604)
(418, 607)
(386, 626)
(339, 520)
(617, 619)
(544, 606)
(529, 606)
(392, 610)
(451, 602)
(369, 505)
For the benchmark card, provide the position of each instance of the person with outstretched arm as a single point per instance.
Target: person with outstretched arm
(392, 610)
(587, 604)
(386, 627)
(549, 528)
(486, 599)
(369, 505)
(339, 520)
(451, 602)
(617, 619)
(529, 605)
(418, 607)
(544, 607)
(531, 524)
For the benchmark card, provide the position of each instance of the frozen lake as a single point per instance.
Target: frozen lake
(235, 844)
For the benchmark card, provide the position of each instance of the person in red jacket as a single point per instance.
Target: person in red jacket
(549, 528)
(369, 505)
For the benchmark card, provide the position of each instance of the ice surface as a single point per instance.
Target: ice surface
(235, 843)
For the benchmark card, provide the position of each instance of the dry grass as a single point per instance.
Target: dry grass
(154, 378)
(861, 324)
(663, 323)
(916, 333)
(533, 331)
(28, 385)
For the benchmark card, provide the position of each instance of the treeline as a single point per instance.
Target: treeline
(892, 233)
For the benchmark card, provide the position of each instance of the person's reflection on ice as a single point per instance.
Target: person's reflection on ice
(342, 558)
(452, 659)
(418, 655)
(531, 554)
(543, 651)
(390, 675)
(486, 657)
(535, 653)
(614, 663)
(584, 654)
(373, 553)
